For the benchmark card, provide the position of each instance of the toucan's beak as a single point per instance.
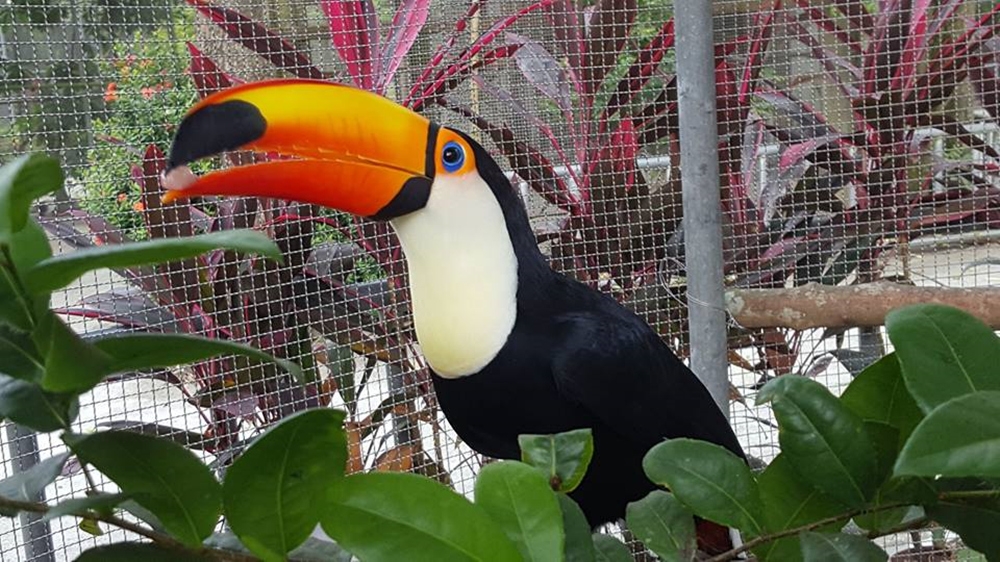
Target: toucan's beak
(353, 150)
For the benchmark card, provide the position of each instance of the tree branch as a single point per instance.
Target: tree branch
(161, 539)
(826, 306)
(846, 516)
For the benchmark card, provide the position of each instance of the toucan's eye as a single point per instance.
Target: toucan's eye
(452, 156)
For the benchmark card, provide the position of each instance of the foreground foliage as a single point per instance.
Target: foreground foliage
(914, 439)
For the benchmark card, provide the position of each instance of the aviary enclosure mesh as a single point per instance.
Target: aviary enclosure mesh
(850, 152)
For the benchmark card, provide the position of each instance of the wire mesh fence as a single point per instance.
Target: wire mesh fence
(857, 143)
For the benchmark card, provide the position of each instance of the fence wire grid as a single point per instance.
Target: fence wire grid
(850, 152)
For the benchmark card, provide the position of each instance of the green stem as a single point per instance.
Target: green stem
(166, 541)
(844, 517)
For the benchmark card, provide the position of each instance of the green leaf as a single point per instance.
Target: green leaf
(143, 351)
(71, 364)
(944, 352)
(579, 543)
(824, 547)
(18, 354)
(711, 481)
(885, 440)
(20, 304)
(519, 499)
(160, 475)
(25, 486)
(976, 521)
(959, 438)
(610, 549)
(23, 180)
(270, 491)
(414, 518)
(879, 394)
(564, 457)
(130, 552)
(59, 271)
(825, 442)
(312, 550)
(664, 525)
(790, 502)
(99, 502)
(26, 403)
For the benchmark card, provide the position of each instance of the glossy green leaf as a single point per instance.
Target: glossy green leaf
(564, 457)
(59, 271)
(416, 519)
(790, 502)
(944, 352)
(71, 364)
(100, 502)
(975, 521)
(664, 525)
(18, 354)
(270, 491)
(610, 549)
(879, 394)
(25, 486)
(959, 438)
(159, 475)
(711, 481)
(143, 351)
(579, 543)
(131, 552)
(26, 403)
(838, 547)
(23, 180)
(825, 442)
(518, 497)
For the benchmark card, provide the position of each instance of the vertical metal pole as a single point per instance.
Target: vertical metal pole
(699, 141)
(22, 445)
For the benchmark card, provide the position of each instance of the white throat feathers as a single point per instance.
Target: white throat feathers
(463, 275)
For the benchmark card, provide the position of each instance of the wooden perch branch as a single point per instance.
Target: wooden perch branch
(825, 306)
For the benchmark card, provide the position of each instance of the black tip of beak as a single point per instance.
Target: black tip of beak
(215, 128)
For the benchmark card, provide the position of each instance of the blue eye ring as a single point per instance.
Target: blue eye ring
(452, 156)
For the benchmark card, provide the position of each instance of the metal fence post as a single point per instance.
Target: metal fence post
(22, 446)
(702, 207)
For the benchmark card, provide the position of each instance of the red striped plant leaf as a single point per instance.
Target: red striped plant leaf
(206, 75)
(354, 32)
(254, 36)
(409, 19)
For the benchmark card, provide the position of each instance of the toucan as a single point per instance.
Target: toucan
(513, 346)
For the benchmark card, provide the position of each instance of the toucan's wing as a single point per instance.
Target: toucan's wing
(614, 365)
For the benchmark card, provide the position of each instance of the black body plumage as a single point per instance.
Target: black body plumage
(577, 358)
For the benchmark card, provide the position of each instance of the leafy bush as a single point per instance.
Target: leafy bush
(915, 438)
(146, 98)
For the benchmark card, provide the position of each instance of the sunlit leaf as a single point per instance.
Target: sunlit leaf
(520, 500)
(270, 493)
(101, 502)
(23, 180)
(824, 442)
(710, 480)
(563, 457)
(147, 350)
(959, 438)
(396, 507)
(944, 352)
(71, 364)
(61, 270)
(159, 475)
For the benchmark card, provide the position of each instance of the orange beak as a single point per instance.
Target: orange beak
(354, 150)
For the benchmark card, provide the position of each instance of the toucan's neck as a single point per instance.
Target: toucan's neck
(470, 254)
